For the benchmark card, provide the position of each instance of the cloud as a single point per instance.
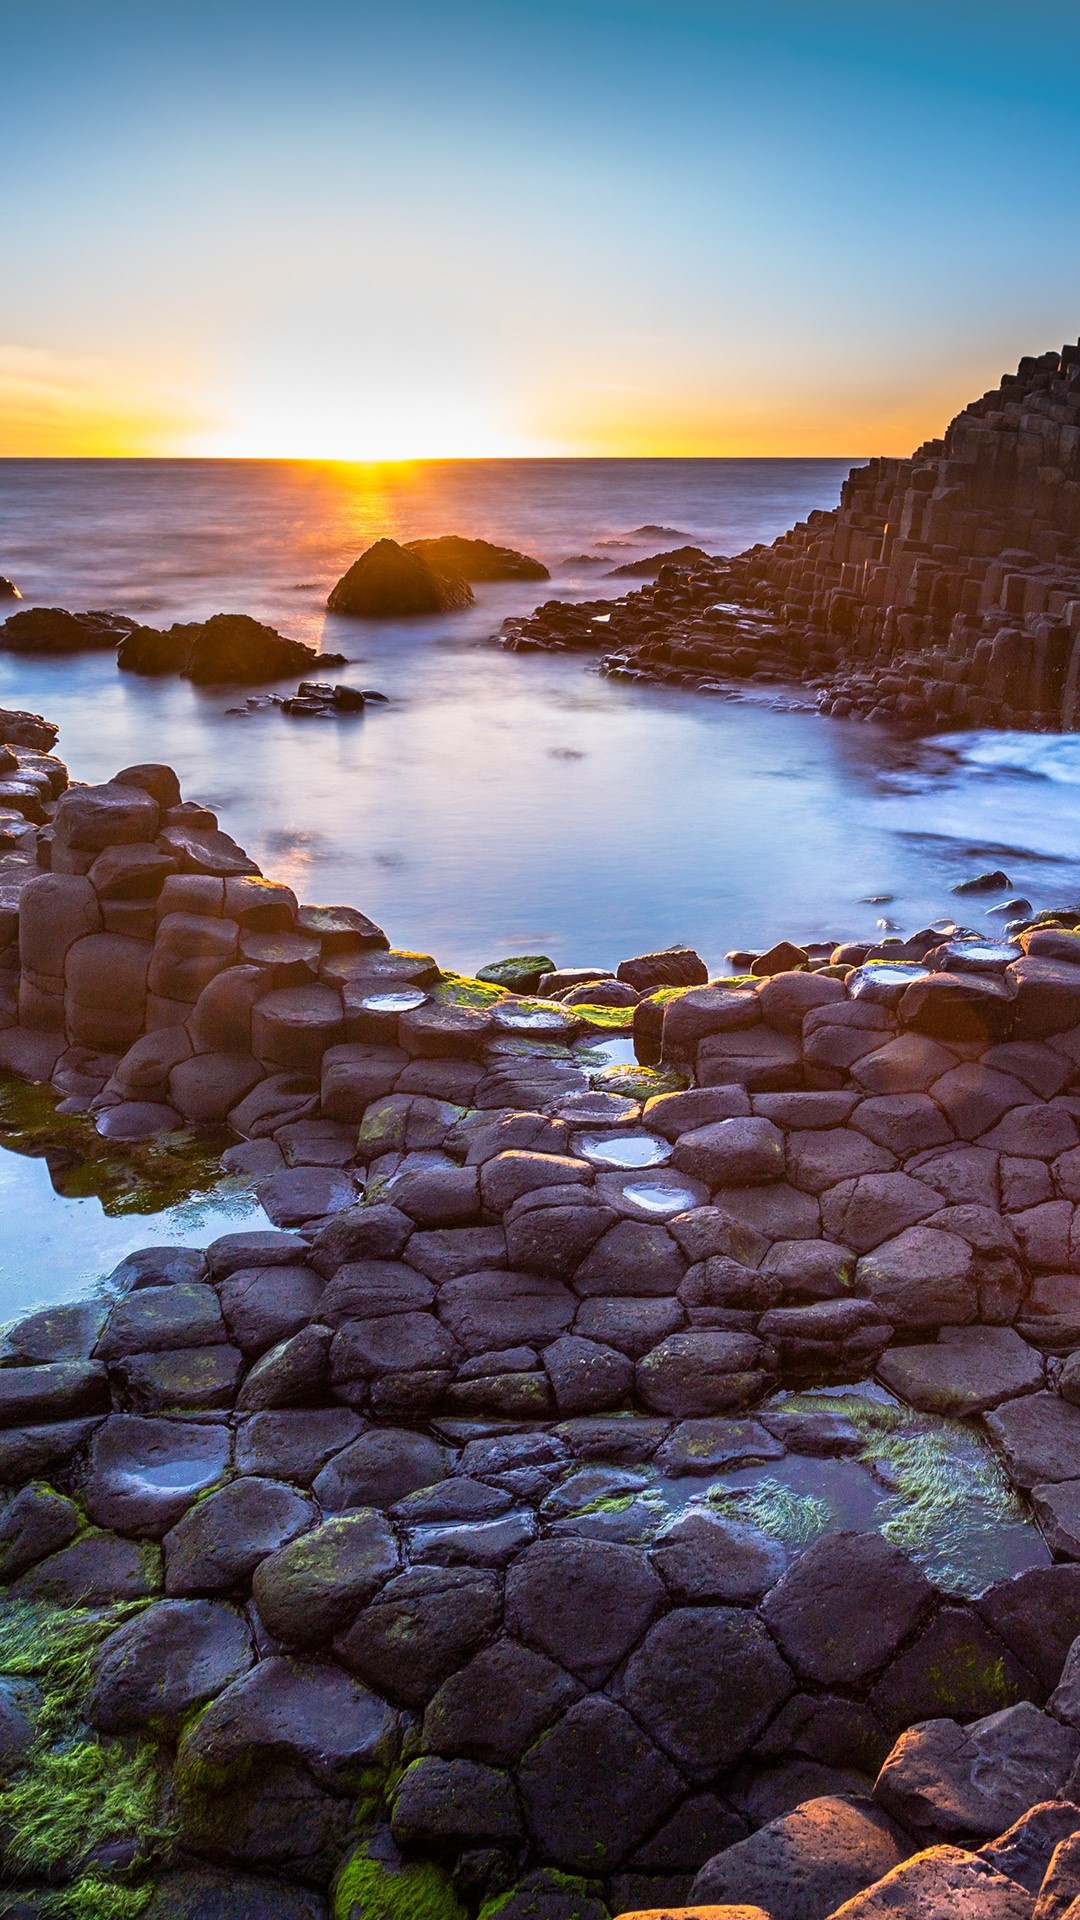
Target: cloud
(57, 405)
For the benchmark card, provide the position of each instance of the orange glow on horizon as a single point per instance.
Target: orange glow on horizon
(51, 407)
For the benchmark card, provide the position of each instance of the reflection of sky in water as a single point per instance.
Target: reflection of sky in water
(54, 1249)
(933, 1486)
(507, 803)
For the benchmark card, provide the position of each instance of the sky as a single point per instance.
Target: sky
(344, 229)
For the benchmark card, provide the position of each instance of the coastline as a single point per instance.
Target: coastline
(349, 1470)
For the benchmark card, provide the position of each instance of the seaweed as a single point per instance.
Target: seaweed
(70, 1800)
(366, 1889)
(795, 1518)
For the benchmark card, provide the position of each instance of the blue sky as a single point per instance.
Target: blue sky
(367, 229)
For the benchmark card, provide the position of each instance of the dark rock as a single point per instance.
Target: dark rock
(56, 1333)
(703, 1683)
(263, 1305)
(37, 1522)
(294, 1371)
(389, 579)
(143, 1474)
(157, 1319)
(1026, 1851)
(227, 647)
(58, 1390)
(970, 1370)
(450, 554)
(186, 1380)
(157, 1267)
(294, 1444)
(220, 1541)
(173, 1657)
(845, 1606)
(583, 1602)
(944, 1779)
(28, 1451)
(306, 1711)
(704, 1557)
(1037, 1614)
(52, 630)
(20, 1703)
(95, 1570)
(309, 1590)
(206, 1893)
(806, 1864)
(253, 1249)
(453, 1803)
(701, 1372)
(380, 1467)
(956, 1669)
(422, 1626)
(1039, 1436)
(498, 1704)
(594, 1786)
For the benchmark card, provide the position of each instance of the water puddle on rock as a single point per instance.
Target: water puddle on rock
(72, 1204)
(933, 1486)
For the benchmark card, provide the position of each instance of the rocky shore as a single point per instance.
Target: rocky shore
(944, 591)
(608, 1484)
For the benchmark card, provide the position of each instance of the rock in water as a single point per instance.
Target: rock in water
(477, 559)
(54, 630)
(8, 589)
(389, 579)
(228, 646)
(19, 729)
(647, 568)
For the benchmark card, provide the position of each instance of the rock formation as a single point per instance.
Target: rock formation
(8, 589)
(477, 559)
(943, 591)
(389, 580)
(54, 630)
(440, 1549)
(227, 647)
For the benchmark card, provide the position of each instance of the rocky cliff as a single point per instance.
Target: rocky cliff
(943, 590)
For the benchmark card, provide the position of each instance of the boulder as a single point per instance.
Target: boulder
(493, 1708)
(220, 1541)
(227, 647)
(584, 1603)
(703, 1683)
(969, 1370)
(389, 580)
(143, 1474)
(944, 1779)
(450, 554)
(806, 1864)
(173, 1657)
(941, 1880)
(52, 630)
(454, 1803)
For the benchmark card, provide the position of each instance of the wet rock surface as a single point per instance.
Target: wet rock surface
(601, 1488)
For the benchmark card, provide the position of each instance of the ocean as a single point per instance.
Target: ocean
(499, 802)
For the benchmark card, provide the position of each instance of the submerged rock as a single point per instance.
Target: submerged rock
(389, 580)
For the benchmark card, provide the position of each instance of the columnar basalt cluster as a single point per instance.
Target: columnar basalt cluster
(428, 1551)
(943, 591)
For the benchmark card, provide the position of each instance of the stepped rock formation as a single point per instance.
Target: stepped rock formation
(442, 1551)
(943, 591)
